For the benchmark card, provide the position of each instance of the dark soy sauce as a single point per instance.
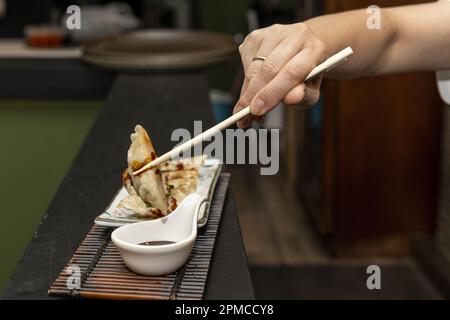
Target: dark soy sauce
(156, 243)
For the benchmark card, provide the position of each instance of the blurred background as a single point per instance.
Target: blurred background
(364, 177)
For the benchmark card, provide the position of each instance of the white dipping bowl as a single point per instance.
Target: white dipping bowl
(180, 226)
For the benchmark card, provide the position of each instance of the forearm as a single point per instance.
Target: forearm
(370, 47)
(411, 38)
(408, 38)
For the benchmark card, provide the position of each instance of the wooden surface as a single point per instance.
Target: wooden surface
(401, 280)
(161, 103)
(45, 78)
(104, 275)
(18, 49)
(380, 153)
(275, 227)
(388, 158)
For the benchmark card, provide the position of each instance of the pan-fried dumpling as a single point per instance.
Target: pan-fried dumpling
(139, 207)
(148, 184)
(156, 191)
(181, 182)
(183, 164)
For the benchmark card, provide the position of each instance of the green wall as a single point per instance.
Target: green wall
(39, 140)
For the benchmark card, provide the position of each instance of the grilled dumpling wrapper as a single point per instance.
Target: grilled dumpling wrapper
(148, 185)
(181, 174)
(180, 184)
(183, 164)
(138, 206)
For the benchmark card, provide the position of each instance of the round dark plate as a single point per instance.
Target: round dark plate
(161, 49)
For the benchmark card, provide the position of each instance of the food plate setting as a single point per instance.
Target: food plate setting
(150, 231)
(106, 267)
(208, 173)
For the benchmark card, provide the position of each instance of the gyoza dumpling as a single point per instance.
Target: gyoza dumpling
(148, 184)
(139, 207)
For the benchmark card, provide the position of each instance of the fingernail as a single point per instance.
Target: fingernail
(258, 107)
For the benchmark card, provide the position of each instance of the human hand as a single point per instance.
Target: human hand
(290, 52)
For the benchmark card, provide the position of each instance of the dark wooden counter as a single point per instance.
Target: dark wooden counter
(161, 103)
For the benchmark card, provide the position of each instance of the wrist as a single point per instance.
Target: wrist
(313, 27)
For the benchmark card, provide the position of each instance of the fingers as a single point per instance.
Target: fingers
(259, 73)
(245, 122)
(249, 48)
(254, 68)
(293, 73)
(278, 58)
(295, 96)
(312, 94)
(304, 95)
(291, 52)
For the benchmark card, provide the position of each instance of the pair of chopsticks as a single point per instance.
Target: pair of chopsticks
(324, 67)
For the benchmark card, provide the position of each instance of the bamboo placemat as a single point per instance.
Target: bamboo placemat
(102, 274)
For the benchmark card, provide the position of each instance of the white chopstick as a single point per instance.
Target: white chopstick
(324, 67)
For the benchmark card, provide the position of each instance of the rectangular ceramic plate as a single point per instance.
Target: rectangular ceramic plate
(117, 217)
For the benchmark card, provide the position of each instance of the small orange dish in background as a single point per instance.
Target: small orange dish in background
(44, 36)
